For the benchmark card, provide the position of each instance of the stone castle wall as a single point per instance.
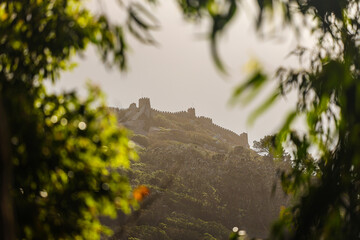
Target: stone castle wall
(179, 114)
(190, 113)
(205, 120)
(241, 139)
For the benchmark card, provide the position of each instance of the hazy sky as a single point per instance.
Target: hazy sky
(179, 73)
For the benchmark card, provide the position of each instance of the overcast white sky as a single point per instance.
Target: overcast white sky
(179, 73)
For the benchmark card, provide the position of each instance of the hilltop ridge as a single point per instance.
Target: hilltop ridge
(146, 120)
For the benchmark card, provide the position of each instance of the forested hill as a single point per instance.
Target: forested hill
(203, 179)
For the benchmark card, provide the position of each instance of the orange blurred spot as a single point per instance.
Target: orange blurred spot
(140, 193)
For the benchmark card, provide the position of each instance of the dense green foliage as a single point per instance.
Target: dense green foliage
(60, 156)
(266, 147)
(327, 84)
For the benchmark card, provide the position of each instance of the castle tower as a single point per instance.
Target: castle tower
(191, 112)
(145, 107)
(144, 102)
(244, 140)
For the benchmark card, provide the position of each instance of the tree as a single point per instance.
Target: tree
(329, 207)
(266, 147)
(327, 82)
(61, 157)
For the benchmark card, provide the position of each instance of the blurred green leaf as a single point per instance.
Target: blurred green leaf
(262, 108)
(252, 87)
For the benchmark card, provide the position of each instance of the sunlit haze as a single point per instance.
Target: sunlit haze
(179, 73)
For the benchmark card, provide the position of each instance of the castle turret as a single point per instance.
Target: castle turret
(144, 102)
(145, 107)
(244, 140)
(191, 112)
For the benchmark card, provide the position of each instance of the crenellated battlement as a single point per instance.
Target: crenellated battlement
(180, 113)
(191, 112)
(145, 109)
(243, 136)
(144, 102)
(205, 120)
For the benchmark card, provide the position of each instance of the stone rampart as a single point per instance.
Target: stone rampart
(242, 138)
(205, 120)
(144, 103)
(179, 114)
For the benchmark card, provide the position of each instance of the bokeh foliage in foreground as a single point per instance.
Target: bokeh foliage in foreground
(61, 156)
(66, 159)
(326, 189)
(327, 84)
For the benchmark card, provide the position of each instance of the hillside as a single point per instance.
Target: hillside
(204, 179)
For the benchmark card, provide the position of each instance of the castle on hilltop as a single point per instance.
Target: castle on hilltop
(140, 119)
